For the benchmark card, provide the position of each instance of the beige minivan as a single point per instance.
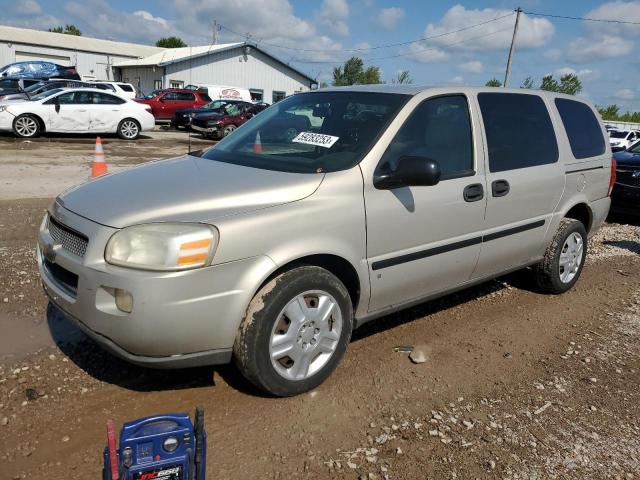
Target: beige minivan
(329, 209)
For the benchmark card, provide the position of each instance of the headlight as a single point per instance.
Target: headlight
(163, 246)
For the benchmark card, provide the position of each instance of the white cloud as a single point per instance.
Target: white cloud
(364, 47)
(473, 66)
(457, 80)
(28, 7)
(496, 35)
(333, 14)
(388, 18)
(584, 50)
(147, 16)
(627, 11)
(425, 54)
(625, 94)
(585, 74)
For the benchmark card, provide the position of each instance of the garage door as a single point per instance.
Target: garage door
(28, 56)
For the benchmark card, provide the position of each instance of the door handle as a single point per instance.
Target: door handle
(500, 188)
(473, 192)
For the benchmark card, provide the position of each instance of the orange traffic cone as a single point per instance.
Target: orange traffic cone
(99, 166)
(257, 144)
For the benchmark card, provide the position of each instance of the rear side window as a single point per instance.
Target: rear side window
(188, 97)
(125, 87)
(519, 131)
(438, 129)
(582, 127)
(106, 99)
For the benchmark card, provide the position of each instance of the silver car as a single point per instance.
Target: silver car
(329, 209)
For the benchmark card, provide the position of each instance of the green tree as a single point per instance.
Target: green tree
(67, 29)
(569, 84)
(403, 77)
(171, 42)
(494, 82)
(528, 83)
(609, 112)
(353, 73)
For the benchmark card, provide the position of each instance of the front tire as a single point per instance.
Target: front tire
(295, 332)
(26, 126)
(564, 259)
(129, 129)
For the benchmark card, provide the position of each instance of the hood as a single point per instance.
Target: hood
(184, 189)
(626, 157)
(183, 111)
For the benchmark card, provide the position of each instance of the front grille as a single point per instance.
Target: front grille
(625, 176)
(70, 240)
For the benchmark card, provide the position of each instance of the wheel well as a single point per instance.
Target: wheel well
(340, 267)
(40, 121)
(582, 213)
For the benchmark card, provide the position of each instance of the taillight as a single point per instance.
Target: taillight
(612, 179)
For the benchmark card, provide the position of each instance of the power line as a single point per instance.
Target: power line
(377, 47)
(566, 17)
(409, 53)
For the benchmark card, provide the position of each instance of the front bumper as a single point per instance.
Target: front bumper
(215, 131)
(178, 319)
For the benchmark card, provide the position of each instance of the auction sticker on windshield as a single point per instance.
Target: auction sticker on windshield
(317, 139)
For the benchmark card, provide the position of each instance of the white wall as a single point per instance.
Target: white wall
(234, 68)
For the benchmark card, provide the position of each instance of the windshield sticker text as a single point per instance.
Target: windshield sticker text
(317, 139)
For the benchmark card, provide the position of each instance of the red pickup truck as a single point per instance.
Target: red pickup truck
(164, 103)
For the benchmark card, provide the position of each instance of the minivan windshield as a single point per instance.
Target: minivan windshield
(311, 132)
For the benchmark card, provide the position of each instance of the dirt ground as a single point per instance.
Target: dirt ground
(517, 385)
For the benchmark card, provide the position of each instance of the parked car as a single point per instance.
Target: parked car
(271, 254)
(625, 197)
(38, 69)
(164, 103)
(123, 89)
(182, 118)
(622, 139)
(10, 86)
(219, 124)
(77, 110)
(43, 86)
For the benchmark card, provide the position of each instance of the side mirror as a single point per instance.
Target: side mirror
(410, 172)
(56, 104)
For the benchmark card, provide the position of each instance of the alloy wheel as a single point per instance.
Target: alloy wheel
(26, 126)
(129, 129)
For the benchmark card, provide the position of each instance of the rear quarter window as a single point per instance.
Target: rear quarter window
(125, 87)
(519, 131)
(582, 127)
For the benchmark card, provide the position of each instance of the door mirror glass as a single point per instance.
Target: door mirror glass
(410, 172)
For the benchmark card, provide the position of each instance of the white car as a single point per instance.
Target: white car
(622, 139)
(125, 90)
(76, 110)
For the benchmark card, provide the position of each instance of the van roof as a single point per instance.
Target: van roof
(416, 89)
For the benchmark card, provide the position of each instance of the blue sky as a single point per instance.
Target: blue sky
(317, 35)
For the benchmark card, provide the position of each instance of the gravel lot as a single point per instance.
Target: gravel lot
(515, 385)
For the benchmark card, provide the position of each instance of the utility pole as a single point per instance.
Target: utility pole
(513, 43)
(215, 32)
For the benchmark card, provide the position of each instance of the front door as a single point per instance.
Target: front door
(525, 179)
(69, 112)
(426, 239)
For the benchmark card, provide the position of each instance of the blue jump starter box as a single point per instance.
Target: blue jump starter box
(162, 447)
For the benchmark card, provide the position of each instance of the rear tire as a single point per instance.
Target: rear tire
(295, 332)
(129, 129)
(564, 259)
(26, 126)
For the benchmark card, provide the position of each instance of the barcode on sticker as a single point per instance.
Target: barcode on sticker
(317, 139)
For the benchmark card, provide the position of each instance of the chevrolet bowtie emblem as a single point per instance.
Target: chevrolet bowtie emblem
(636, 174)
